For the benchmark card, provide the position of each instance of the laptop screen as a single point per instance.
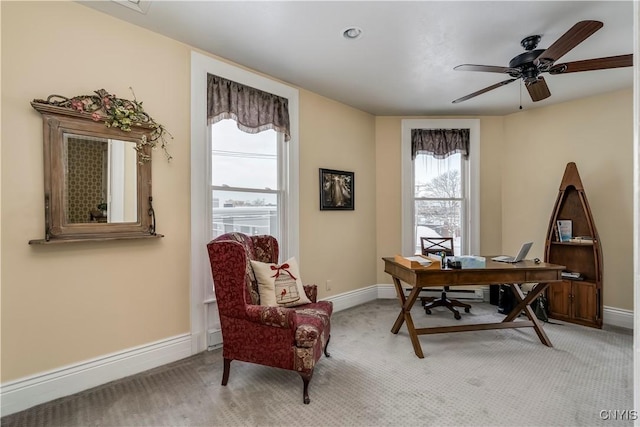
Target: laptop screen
(524, 250)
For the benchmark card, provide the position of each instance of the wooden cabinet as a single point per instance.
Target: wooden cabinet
(575, 301)
(580, 300)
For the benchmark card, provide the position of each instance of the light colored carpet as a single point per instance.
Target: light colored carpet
(373, 378)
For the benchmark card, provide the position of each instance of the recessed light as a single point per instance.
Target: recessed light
(352, 33)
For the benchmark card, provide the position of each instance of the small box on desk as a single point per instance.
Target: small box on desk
(417, 261)
(470, 261)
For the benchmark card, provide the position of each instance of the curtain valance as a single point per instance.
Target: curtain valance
(253, 110)
(440, 143)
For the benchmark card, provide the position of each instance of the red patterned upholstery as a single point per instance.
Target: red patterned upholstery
(288, 338)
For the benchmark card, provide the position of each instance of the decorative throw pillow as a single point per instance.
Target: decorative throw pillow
(280, 285)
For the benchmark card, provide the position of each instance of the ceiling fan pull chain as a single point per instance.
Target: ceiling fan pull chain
(520, 94)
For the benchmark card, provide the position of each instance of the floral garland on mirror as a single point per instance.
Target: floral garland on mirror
(118, 113)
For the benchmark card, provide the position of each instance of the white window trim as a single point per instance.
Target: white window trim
(201, 65)
(473, 125)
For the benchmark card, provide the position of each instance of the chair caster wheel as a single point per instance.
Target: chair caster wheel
(467, 310)
(457, 316)
(426, 310)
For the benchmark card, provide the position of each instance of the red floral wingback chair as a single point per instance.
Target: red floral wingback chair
(290, 338)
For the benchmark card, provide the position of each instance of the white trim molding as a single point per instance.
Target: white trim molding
(36, 389)
(613, 316)
(353, 298)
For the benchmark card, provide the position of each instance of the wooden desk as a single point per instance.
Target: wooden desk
(493, 273)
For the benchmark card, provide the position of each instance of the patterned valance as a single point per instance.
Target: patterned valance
(252, 109)
(440, 143)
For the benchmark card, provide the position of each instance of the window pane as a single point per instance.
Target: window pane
(439, 218)
(242, 159)
(249, 213)
(438, 178)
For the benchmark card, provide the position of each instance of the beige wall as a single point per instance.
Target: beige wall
(522, 160)
(64, 304)
(67, 303)
(336, 245)
(597, 134)
(388, 192)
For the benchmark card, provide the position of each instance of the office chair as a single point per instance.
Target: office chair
(438, 245)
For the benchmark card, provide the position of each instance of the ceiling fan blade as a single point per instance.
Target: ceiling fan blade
(538, 90)
(481, 91)
(486, 68)
(593, 64)
(572, 38)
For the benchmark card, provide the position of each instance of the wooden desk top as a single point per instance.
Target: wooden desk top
(525, 271)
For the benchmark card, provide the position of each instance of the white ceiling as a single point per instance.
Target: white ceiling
(403, 63)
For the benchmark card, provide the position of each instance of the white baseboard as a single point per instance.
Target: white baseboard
(617, 317)
(30, 391)
(354, 298)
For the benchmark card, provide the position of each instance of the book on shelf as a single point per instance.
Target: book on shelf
(572, 275)
(565, 229)
(585, 240)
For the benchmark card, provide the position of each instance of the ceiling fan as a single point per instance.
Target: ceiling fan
(529, 65)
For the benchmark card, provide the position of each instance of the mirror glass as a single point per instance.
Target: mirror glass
(100, 179)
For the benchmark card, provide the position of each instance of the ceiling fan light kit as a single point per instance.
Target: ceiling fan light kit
(529, 65)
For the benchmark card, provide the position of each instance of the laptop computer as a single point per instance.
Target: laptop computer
(524, 250)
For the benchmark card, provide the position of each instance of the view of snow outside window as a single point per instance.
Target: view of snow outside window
(245, 188)
(439, 199)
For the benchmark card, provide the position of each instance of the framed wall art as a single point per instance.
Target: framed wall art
(336, 190)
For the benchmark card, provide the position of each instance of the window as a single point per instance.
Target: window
(247, 192)
(440, 197)
(215, 181)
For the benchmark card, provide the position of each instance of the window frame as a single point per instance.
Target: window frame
(471, 245)
(200, 280)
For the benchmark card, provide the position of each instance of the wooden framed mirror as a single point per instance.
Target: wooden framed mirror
(97, 178)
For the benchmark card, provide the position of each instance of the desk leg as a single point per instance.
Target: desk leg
(405, 316)
(400, 294)
(524, 303)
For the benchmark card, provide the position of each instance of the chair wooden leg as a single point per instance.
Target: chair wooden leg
(326, 353)
(306, 378)
(225, 372)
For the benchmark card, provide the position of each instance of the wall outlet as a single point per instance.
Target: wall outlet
(327, 285)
